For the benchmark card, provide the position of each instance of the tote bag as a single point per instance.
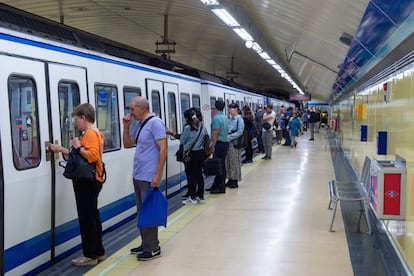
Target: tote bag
(154, 209)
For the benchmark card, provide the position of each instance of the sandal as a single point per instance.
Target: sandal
(101, 258)
(84, 261)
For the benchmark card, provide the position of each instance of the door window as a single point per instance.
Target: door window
(172, 112)
(69, 98)
(24, 121)
(130, 93)
(107, 115)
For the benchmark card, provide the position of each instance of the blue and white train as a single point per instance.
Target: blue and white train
(41, 81)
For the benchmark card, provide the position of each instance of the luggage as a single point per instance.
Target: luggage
(213, 166)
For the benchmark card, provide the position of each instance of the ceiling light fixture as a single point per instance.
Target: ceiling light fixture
(226, 17)
(249, 44)
(230, 21)
(243, 34)
(210, 2)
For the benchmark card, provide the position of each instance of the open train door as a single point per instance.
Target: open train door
(68, 88)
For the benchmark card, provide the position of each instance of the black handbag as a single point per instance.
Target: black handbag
(78, 168)
(180, 154)
(213, 166)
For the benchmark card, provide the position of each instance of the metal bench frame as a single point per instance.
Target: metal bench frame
(358, 191)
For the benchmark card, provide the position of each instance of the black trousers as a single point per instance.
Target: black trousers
(86, 195)
(193, 170)
(249, 149)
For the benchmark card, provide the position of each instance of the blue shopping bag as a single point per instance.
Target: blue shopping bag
(154, 209)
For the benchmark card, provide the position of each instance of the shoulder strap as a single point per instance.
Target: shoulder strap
(142, 126)
(200, 128)
(101, 152)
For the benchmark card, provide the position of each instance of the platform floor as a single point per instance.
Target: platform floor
(275, 223)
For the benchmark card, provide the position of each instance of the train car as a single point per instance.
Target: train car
(45, 79)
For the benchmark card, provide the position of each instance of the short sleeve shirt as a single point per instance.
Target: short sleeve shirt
(147, 152)
(220, 122)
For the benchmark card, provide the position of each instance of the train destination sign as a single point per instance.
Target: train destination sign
(299, 97)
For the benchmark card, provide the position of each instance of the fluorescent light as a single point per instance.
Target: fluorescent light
(210, 2)
(243, 34)
(226, 17)
(256, 47)
(271, 61)
(277, 67)
(264, 55)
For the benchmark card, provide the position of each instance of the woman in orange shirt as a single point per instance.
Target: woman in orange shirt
(90, 145)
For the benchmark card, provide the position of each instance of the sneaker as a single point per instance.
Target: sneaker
(137, 250)
(146, 256)
(189, 201)
(200, 200)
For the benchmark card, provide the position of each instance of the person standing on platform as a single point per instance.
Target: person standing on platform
(192, 141)
(294, 128)
(219, 130)
(287, 117)
(258, 117)
(267, 136)
(90, 146)
(312, 121)
(233, 159)
(150, 140)
(248, 119)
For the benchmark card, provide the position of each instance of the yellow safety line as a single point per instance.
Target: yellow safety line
(123, 262)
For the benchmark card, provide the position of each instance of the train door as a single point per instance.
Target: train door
(27, 173)
(163, 99)
(68, 89)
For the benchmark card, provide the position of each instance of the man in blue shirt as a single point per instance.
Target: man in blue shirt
(219, 131)
(150, 140)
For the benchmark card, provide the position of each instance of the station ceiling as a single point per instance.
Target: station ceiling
(302, 36)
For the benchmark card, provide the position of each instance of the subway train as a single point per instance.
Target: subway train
(46, 75)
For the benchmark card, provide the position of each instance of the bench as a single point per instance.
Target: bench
(352, 191)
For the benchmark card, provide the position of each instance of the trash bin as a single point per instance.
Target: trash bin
(388, 188)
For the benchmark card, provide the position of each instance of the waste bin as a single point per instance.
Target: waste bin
(388, 188)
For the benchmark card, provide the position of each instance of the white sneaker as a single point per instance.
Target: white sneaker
(200, 200)
(189, 201)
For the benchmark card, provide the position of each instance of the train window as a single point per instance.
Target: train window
(213, 106)
(107, 115)
(129, 93)
(196, 101)
(24, 121)
(156, 102)
(185, 103)
(69, 98)
(172, 112)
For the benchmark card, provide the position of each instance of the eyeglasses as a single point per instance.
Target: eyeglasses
(76, 118)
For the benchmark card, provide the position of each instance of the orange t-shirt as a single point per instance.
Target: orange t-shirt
(94, 149)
